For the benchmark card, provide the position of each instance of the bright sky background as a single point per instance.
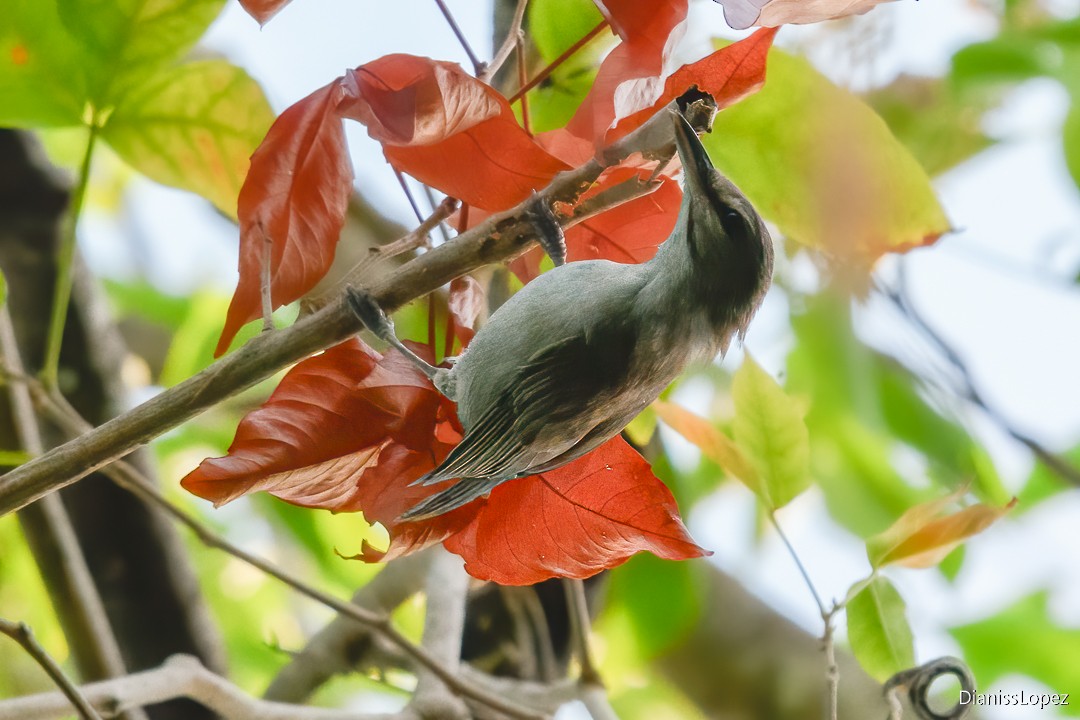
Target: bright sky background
(1000, 289)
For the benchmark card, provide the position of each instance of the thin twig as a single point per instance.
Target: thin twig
(477, 63)
(129, 478)
(580, 623)
(497, 238)
(51, 535)
(21, 633)
(513, 36)
(522, 79)
(968, 391)
(429, 194)
(65, 263)
(543, 74)
(408, 194)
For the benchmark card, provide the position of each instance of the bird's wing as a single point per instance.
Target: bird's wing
(562, 386)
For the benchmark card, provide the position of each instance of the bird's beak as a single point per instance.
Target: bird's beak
(695, 161)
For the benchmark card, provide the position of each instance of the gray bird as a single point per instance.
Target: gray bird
(574, 356)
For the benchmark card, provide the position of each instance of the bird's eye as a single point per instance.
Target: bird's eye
(733, 222)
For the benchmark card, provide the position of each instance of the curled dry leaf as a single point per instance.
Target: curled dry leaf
(741, 14)
(926, 533)
(466, 302)
(348, 430)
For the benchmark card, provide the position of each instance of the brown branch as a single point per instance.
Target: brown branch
(181, 676)
(498, 238)
(51, 535)
(21, 633)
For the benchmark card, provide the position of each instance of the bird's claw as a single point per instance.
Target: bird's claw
(366, 308)
(549, 232)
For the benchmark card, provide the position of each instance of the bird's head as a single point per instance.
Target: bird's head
(727, 240)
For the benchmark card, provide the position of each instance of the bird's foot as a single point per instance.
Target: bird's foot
(549, 232)
(367, 309)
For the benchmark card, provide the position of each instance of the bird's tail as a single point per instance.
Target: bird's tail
(463, 491)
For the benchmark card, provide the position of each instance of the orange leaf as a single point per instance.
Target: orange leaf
(448, 130)
(575, 521)
(293, 203)
(924, 535)
(729, 74)
(263, 10)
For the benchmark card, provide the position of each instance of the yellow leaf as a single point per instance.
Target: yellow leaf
(715, 445)
(924, 535)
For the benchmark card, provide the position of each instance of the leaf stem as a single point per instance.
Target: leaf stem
(798, 564)
(65, 261)
(543, 74)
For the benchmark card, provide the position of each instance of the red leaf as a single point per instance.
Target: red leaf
(574, 522)
(633, 68)
(448, 130)
(294, 198)
(263, 10)
(331, 422)
(729, 75)
(628, 233)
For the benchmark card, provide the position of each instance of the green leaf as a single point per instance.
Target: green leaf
(1023, 639)
(846, 184)
(1004, 60)
(554, 26)
(770, 430)
(43, 80)
(11, 458)
(940, 129)
(126, 41)
(3, 289)
(60, 58)
(194, 127)
(878, 630)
